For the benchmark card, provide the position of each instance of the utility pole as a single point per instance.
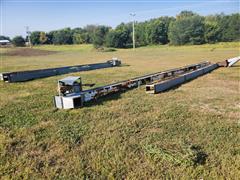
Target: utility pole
(133, 27)
(28, 35)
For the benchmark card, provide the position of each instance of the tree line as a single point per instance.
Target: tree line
(186, 28)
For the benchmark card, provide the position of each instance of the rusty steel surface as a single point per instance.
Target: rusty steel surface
(67, 101)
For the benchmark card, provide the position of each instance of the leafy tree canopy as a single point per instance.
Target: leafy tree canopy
(18, 41)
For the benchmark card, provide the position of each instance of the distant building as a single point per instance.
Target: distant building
(5, 42)
(27, 43)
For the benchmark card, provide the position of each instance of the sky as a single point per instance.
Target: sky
(47, 15)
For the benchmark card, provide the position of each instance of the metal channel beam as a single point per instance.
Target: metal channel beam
(233, 61)
(21, 76)
(160, 86)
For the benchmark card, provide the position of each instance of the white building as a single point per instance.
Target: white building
(5, 42)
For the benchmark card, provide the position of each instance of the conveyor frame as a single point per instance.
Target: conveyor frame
(21, 76)
(62, 102)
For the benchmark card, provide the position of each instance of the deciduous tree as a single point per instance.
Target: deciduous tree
(18, 41)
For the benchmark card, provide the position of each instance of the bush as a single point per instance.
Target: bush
(18, 41)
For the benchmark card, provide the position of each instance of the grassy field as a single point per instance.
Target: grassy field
(191, 132)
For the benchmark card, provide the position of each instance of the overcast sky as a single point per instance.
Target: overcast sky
(46, 15)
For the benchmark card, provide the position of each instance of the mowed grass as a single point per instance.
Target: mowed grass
(190, 132)
(79, 48)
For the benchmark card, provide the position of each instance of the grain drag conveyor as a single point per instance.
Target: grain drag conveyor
(70, 93)
(21, 76)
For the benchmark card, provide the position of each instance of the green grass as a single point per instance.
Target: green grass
(191, 132)
(79, 48)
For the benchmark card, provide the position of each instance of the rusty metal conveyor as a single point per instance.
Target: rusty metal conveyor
(73, 96)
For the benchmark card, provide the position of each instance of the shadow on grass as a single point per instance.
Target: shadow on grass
(108, 97)
(199, 156)
(235, 66)
(124, 65)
